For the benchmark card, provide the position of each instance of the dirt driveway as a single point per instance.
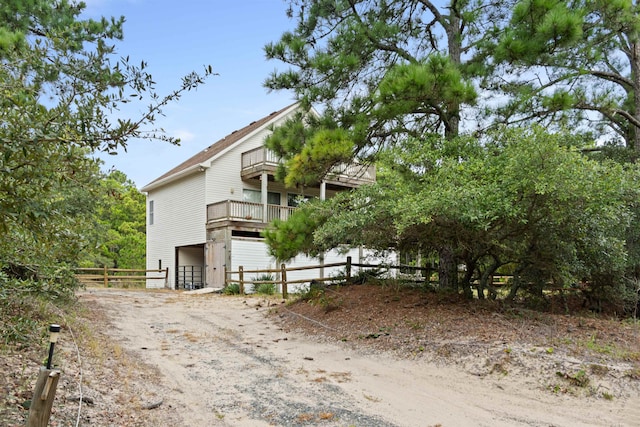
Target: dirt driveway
(219, 361)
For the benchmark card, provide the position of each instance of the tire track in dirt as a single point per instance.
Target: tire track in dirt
(223, 363)
(220, 371)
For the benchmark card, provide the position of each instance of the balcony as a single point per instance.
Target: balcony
(237, 211)
(260, 160)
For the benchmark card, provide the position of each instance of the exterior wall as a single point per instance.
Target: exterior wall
(223, 177)
(179, 218)
(252, 254)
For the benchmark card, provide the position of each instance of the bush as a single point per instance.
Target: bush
(27, 306)
(266, 289)
(232, 289)
(265, 284)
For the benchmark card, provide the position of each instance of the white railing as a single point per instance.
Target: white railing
(355, 170)
(262, 156)
(234, 210)
(259, 156)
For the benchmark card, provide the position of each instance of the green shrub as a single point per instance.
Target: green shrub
(232, 289)
(266, 289)
(263, 284)
(27, 306)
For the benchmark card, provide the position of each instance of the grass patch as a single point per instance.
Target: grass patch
(578, 379)
(232, 289)
(266, 289)
(264, 284)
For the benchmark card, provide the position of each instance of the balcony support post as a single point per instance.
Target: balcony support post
(323, 196)
(264, 188)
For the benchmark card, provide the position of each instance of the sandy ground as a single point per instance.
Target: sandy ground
(220, 361)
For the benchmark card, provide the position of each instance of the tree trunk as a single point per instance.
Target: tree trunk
(454, 44)
(466, 283)
(635, 74)
(447, 269)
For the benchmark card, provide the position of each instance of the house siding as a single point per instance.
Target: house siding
(253, 254)
(180, 198)
(179, 218)
(224, 181)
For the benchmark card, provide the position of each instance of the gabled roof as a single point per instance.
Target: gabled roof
(198, 160)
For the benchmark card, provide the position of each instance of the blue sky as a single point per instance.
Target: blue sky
(176, 37)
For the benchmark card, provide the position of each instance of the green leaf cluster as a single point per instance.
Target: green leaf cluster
(526, 199)
(568, 63)
(286, 239)
(62, 85)
(119, 234)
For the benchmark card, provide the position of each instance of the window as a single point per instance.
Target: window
(254, 196)
(150, 212)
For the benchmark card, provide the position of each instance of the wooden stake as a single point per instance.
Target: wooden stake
(43, 395)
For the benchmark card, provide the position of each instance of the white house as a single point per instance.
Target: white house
(204, 217)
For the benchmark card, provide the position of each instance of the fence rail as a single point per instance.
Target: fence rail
(281, 273)
(423, 274)
(119, 276)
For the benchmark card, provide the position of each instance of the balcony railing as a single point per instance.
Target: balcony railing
(261, 160)
(233, 210)
(259, 156)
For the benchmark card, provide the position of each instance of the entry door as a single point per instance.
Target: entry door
(215, 264)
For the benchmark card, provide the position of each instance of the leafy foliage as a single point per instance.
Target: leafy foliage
(120, 229)
(286, 239)
(265, 285)
(381, 70)
(232, 289)
(523, 198)
(570, 63)
(400, 76)
(61, 91)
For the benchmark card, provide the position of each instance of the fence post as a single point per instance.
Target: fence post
(105, 277)
(348, 268)
(45, 390)
(166, 277)
(283, 274)
(43, 395)
(241, 278)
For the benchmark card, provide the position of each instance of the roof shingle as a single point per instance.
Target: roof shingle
(219, 146)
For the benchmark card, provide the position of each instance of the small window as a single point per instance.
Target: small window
(150, 212)
(273, 198)
(255, 196)
(251, 196)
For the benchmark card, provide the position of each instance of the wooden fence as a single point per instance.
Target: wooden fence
(281, 274)
(119, 276)
(422, 274)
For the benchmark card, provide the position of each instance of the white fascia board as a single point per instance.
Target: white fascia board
(250, 135)
(176, 176)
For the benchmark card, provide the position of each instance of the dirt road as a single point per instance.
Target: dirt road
(222, 362)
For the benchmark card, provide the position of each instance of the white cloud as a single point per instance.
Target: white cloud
(183, 134)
